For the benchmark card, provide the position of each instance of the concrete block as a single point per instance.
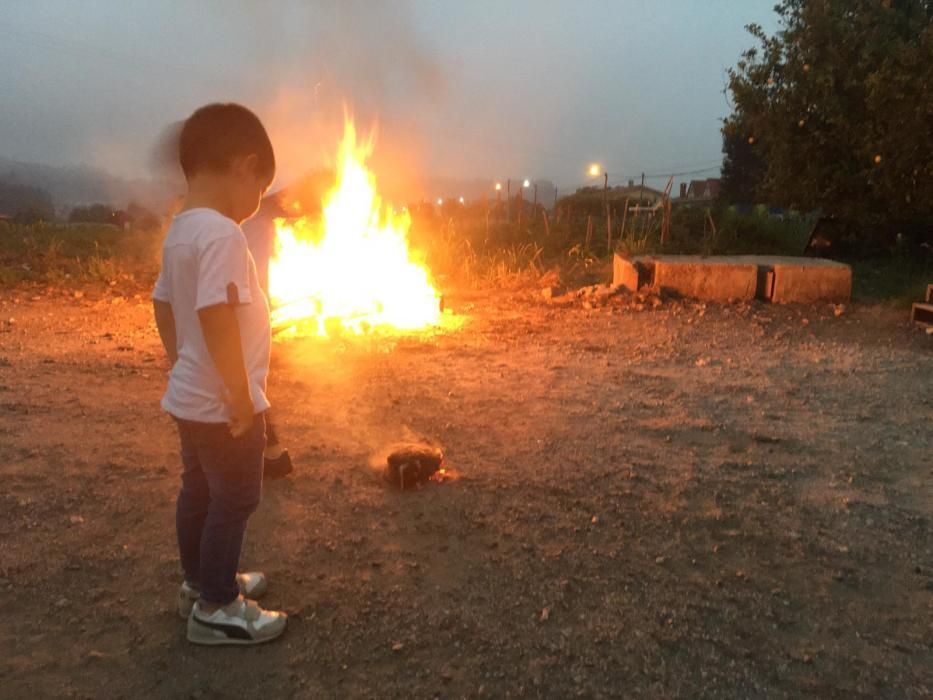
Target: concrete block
(808, 280)
(922, 314)
(713, 279)
(625, 273)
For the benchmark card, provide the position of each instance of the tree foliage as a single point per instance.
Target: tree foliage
(835, 111)
(25, 204)
(95, 214)
(742, 167)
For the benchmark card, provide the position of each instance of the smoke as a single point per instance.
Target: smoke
(359, 58)
(527, 88)
(305, 66)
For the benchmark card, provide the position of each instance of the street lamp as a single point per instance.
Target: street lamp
(461, 200)
(439, 201)
(593, 171)
(526, 183)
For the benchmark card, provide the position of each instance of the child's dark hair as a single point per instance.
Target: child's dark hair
(217, 133)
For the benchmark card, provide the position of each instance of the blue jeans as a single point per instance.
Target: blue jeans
(221, 485)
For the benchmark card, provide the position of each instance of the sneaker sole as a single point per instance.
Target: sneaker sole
(233, 642)
(212, 641)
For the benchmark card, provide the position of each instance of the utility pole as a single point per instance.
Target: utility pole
(521, 203)
(508, 200)
(606, 209)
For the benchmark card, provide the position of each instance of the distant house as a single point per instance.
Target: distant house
(700, 190)
(593, 199)
(635, 194)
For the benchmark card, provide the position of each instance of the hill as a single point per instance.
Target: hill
(71, 186)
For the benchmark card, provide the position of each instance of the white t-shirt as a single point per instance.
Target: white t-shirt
(205, 261)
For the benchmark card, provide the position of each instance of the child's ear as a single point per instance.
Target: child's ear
(251, 163)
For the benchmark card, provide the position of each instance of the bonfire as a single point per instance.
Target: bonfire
(350, 270)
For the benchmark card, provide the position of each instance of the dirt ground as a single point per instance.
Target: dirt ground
(722, 501)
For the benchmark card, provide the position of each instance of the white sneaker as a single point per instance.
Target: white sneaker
(252, 584)
(240, 622)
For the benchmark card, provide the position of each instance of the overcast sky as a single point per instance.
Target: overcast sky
(469, 88)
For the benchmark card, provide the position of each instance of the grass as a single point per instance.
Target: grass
(467, 249)
(58, 253)
(899, 281)
(462, 253)
(737, 233)
(468, 252)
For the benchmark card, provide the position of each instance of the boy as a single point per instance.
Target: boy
(214, 323)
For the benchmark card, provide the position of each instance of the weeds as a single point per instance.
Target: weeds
(898, 281)
(55, 253)
(99, 268)
(471, 251)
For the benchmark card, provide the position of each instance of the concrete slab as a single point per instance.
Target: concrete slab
(809, 280)
(922, 315)
(780, 279)
(712, 278)
(625, 273)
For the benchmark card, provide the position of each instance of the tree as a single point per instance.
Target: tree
(25, 204)
(837, 108)
(742, 166)
(94, 214)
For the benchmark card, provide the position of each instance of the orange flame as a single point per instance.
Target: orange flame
(352, 270)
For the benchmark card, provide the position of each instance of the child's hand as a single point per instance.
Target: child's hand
(241, 415)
